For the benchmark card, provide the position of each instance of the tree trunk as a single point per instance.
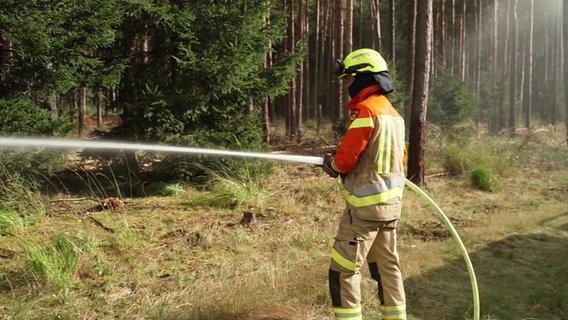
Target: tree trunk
(291, 112)
(478, 59)
(100, 107)
(453, 38)
(338, 36)
(565, 66)
(301, 72)
(495, 34)
(513, 69)
(462, 43)
(392, 31)
(82, 105)
(504, 64)
(316, 72)
(411, 56)
(265, 113)
(349, 31)
(442, 38)
(376, 24)
(420, 93)
(529, 67)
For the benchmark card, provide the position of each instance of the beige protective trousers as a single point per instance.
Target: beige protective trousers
(360, 240)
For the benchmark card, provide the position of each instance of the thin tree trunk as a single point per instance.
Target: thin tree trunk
(442, 38)
(420, 93)
(453, 38)
(529, 67)
(349, 32)
(300, 76)
(411, 55)
(392, 31)
(513, 69)
(338, 36)
(376, 24)
(291, 112)
(565, 63)
(495, 34)
(504, 64)
(100, 107)
(82, 105)
(265, 113)
(556, 60)
(317, 54)
(360, 24)
(324, 73)
(478, 58)
(462, 46)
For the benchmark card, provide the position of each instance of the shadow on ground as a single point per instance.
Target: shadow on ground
(524, 276)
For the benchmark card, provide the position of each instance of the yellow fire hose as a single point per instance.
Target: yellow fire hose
(459, 242)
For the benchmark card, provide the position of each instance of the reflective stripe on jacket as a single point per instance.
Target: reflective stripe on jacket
(372, 151)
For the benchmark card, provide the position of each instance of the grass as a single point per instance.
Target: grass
(182, 254)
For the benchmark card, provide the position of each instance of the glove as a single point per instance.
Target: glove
(328, 167)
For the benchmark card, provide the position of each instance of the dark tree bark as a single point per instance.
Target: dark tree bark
(411, 55)
(291, 110)
(338, 46)
(420, 93)
(392, 31)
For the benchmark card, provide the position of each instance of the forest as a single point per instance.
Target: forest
(171, 77)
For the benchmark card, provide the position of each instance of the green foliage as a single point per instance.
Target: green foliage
(456, 160)
(242, 132)
(464, 155)
(20, 116)
(216, 78)
(164, 189)
(484, 178)
(54, 44)
(55, 263)
(451, 102)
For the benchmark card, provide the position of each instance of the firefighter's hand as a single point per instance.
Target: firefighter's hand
(328, 166)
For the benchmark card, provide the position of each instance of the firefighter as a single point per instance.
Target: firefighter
(370, 159)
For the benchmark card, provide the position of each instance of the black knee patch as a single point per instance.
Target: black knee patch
(334, 288)
(374, 271)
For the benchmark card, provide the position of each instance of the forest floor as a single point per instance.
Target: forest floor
(185, 255)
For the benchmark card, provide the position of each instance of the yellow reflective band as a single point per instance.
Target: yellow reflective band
(385, 144)
(362, 123)
(348, 314)
(349, 265)
(393, 312)
(388, 146)
(372, 199)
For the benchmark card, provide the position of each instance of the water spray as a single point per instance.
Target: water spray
(82, 144)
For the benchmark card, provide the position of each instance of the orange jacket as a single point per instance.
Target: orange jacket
(363, 109)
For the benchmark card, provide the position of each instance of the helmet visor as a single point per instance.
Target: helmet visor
(340, 71)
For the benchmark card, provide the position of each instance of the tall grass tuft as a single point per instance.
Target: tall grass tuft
(10, 220)
(54, 264)
(235, 189)
(20, 195)
(484, 178)
(462, 157)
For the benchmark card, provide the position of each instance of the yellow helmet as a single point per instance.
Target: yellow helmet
(361, 61)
